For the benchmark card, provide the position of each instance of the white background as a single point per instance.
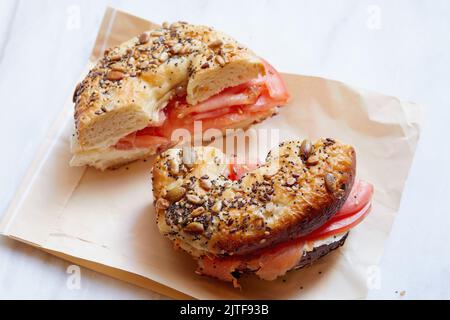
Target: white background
(400, 48)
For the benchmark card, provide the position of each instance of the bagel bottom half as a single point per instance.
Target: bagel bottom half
(273, 263)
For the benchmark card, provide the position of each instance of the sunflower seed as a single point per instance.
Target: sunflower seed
(312, 161)
(220, 60)
(156, 33)
(176, 48)
(115, 57)
(305, 149)
(155, 55)
(175, 194)
(194, 228)
(197, 211)
(217, 206)
(162, 203)
(118, 67)
(216, 43)
(291, 181)
(115, 75)
(164, 56)
(330, 182)
(192, 198)
(185, 49)
(205, 184)
(143, 38)
(170, 43)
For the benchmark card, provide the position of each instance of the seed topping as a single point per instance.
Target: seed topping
(198, 211)
(175, 194)
(192, 198)
(194, 228)
(143, 38)
(162, 204)
(215, 43)
(220, 60)
(305, 149)
(206, 184)
(330, 182)
(115, 75)
(312, 161)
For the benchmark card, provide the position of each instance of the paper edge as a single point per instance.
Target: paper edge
(118, 274)
(414, 112)
(26, 181)
(107, 20)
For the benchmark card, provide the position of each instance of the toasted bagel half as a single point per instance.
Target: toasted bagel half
(141, 91)
(297, 190)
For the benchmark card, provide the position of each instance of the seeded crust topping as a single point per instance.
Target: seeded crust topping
(140, 59)
(299, 188)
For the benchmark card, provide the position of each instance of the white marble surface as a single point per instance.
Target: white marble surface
(395, 47)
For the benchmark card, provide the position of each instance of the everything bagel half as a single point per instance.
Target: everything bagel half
(282, 215)
(165, 79)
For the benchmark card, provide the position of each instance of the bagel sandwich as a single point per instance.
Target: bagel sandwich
(140, 92)
(278, 216)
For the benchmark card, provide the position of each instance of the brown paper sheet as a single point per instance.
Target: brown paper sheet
(105, 220)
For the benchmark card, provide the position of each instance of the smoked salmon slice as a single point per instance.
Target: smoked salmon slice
(231, 106)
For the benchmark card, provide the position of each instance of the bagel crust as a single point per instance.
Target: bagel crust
(296, 191)
(133, 82)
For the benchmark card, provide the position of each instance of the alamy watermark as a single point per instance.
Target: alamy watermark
(373, 21)
(244, 146)
(373, 277)
(73, 281)
(73, 17)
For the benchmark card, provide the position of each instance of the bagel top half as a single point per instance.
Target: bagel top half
(132, 82)
(298, 189)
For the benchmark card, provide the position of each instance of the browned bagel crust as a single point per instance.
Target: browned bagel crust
(283, 199)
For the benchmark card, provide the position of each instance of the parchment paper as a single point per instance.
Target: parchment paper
(105, 220)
